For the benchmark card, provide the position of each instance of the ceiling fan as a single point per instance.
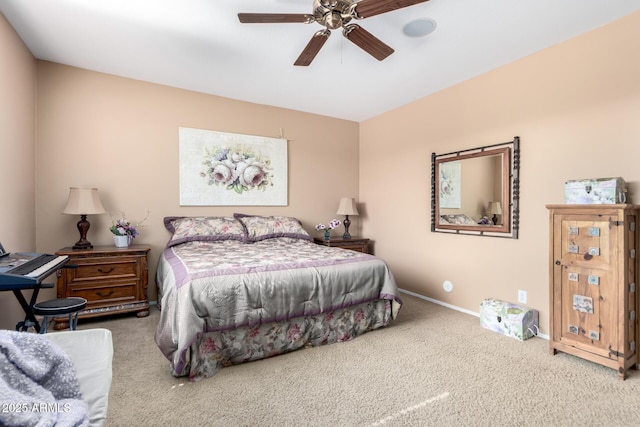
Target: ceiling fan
(334, 14)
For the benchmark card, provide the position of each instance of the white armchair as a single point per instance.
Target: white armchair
(91, 351)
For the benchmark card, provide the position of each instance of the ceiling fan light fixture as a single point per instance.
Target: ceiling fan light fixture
(419, 27)
(333, 20)
(335, 14)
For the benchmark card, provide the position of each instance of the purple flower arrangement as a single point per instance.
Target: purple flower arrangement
(123, 227)
(334, 223)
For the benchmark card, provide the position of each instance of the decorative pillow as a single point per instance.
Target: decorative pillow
(258, 227)
(204, 228)
(458, 219)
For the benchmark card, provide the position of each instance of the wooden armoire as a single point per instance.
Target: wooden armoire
(593, 283)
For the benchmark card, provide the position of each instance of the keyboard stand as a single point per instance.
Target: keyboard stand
(30, 318)
(18, 282)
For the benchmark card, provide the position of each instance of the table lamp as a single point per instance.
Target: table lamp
(347, 207)
(495, 208)
(83, 202)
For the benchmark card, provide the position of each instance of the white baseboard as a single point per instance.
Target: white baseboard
(454, 307)
(444, 304)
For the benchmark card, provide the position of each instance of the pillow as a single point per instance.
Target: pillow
(203, 228)
(258, 227)
(458, 219)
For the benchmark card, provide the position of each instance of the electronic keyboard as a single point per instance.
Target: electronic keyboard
(34, 270)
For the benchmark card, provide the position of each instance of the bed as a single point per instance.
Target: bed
(243, 288)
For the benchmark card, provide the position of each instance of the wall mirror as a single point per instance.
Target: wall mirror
(477, 191)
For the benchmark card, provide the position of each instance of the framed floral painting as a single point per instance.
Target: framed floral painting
(449, 191)
(228, 169)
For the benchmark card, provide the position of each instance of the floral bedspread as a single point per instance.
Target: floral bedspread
(216, 350)
(194, 260)
(208, 287)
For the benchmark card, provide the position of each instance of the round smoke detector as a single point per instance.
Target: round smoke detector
(419, 27)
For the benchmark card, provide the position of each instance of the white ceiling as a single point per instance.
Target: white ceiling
(200, 45)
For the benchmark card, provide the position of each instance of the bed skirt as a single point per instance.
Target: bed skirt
(212, 351)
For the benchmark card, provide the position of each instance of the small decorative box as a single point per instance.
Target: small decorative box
(595, 191)
(508, 319)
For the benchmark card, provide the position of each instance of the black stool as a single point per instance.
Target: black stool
(56, 307)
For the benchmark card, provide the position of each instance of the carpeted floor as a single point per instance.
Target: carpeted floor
(432, 367)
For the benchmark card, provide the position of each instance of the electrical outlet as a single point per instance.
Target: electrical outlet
(522, 296)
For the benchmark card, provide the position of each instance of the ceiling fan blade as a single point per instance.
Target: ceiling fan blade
(313, 47)
(367, 8)
(275, 18)
(367, 41)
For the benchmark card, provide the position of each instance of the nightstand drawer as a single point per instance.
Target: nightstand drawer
(363, 247)
(104, 294)
(97, 269)
(112, 280)
(354, 244)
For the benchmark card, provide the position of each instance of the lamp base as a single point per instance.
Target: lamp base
(494, 219)
(83, 227)
(82, 245)
(347, 223)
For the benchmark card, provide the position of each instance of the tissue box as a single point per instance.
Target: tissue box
(595, 191)
(508, 319)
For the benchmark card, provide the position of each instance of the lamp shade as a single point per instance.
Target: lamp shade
(83, 201)
(495, 208)
(347, 207)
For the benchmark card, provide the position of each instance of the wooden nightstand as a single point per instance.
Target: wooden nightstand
(355, 243)
(112, 280)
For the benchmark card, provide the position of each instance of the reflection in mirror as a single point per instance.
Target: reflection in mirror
(476, 191)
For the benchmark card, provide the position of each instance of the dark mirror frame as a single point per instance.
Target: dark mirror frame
(510, 152)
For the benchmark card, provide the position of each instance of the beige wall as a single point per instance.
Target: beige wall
(17, 156)
(121, 136)
(576, 108)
